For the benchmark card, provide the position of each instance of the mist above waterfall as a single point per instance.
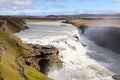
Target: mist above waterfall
(105, 35)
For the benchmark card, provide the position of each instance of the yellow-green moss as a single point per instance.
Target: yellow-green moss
(9, 70)
(15, 47)
(34, 74)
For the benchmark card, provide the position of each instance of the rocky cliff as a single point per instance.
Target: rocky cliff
(43, 58)
(11, 47)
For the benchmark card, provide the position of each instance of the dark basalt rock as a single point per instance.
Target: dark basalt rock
(116, 77)
(43, 58)
(26, 27)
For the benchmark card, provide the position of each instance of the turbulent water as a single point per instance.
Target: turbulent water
(90, 62)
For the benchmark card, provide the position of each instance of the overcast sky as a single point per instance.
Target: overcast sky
(58, 7)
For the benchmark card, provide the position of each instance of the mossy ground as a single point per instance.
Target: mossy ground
(34, 74)
(9, 69)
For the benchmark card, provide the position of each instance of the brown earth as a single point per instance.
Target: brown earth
(97, 23)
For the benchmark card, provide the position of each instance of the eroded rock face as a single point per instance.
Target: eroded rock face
(108, 37)
(43, 58)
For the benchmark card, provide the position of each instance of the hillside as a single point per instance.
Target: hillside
(11, 47)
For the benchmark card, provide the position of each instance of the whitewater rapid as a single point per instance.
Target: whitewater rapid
(89, 62)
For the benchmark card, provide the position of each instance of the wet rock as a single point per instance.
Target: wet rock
(44, 58)
(116, 77)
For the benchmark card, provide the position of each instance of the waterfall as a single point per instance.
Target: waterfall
(90, 62)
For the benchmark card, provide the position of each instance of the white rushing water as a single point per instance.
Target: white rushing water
(91, 62)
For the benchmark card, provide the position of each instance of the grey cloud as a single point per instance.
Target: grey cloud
(5, 4)
(52, 0)
(116, 0)
(22, 3)
(59, 12)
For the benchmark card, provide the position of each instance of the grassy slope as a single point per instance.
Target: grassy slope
(34, 74)
(15, 47)
(8, 67)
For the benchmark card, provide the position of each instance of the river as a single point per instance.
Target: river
(89, 62)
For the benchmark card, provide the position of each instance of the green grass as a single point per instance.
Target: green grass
(8, 68)
(34, 74)
(15, 47)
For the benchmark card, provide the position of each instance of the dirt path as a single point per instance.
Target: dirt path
(21, 68)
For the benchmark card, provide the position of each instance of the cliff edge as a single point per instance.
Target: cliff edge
(11, 47)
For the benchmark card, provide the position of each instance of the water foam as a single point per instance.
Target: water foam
(77, 64)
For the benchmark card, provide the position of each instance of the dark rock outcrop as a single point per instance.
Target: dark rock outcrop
(26, 27)
(116, 77)
(43, 58)
(12, 24)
